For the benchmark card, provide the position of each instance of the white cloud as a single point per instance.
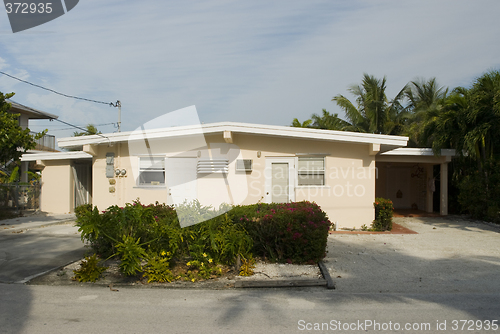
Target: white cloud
(261, 62)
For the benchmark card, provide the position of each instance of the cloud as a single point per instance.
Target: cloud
(258, 62)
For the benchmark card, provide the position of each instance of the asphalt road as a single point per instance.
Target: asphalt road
(64, 309)
(25, 253)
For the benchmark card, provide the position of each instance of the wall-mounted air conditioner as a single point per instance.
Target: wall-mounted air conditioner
(244, 165)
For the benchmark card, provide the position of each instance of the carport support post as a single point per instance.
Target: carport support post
(444, 189)
(429, 203)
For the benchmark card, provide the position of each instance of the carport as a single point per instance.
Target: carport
(407, 176)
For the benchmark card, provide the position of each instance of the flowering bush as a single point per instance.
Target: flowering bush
(383, 214)
(289, 232)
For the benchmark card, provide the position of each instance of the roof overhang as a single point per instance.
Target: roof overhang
(388, 142)
(31, 112)
(56, 156)
(416, 155)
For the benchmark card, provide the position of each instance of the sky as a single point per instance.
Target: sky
(264, 62)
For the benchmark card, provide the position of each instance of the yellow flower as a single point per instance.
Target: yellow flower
(163, 253)
(202, 264)
(205, 255)
(193, 280)
(210, 260)
(189, 263)
(168, 253)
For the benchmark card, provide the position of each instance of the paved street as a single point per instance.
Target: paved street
(63, 309)
(28, 249)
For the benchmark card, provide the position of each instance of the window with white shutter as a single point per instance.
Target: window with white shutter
(311, 171)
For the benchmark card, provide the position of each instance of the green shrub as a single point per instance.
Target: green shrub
(383, 215)
(289, 232)
(82, 210)
(90, 270)
(158, 268)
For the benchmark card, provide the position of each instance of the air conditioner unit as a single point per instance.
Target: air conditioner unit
(244, 165)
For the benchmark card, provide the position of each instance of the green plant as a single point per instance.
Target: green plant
(383, 215)
(82, 210)
(247, 266)
(290, 232)
(90, 270)
(158, 268)
(131, 254)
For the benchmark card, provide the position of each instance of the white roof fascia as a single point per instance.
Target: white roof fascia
(408, 151)
(55, 156)
(269, 130)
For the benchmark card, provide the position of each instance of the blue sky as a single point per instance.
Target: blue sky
(261, 62)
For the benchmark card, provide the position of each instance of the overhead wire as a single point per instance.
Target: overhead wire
(65, 95)
(56, 92)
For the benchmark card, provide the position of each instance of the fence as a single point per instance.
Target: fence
(16, 196)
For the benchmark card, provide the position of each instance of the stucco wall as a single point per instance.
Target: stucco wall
(347, 196)
(57, 187)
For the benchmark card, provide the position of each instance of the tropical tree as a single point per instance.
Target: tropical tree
(328, 121)
(426, 101)
(91, 130)
(297, 124)
(14, 141)
(373, 112)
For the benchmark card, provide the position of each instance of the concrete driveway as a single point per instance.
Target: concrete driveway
(448, 255)
(31, 246)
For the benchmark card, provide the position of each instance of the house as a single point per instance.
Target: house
(46, 143)
(239, 163)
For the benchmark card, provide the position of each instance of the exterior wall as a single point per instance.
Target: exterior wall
(57, 187)
(347, 197)
(413, 184)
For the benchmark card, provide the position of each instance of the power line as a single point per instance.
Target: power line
(69, 124)
(56, 92)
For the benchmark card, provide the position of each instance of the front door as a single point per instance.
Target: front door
(280, 180)
(181, 180)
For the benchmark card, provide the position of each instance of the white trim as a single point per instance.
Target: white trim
(55, 156)
(254, 129)
(419, 152)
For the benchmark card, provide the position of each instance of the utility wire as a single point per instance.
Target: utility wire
(53, 91)
(69, 124)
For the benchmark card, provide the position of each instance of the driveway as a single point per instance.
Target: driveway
(448, 255)
(31, 246)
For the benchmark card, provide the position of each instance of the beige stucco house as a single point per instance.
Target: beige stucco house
(240, 163)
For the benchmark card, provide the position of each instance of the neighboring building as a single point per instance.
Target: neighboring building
(46, 143)
(240, 163)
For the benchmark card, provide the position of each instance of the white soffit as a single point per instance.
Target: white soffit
(252, 129)
(55, 156)
(408, 151)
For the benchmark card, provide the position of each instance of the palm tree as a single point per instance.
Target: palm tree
(296, 123)
(426, 100)
(328, 121)
(373, 112)
(91, 130)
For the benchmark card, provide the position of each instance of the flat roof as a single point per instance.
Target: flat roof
(245, 128)
(55, 156)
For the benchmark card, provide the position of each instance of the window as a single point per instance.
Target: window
(151, 171)
(311, 171)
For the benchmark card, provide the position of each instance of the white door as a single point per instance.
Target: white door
(181, 179)
(280, 180)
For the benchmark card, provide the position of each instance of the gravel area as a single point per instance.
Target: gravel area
(448, 255)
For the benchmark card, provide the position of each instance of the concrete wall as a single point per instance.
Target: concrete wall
(347, 197)
(57, 187)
